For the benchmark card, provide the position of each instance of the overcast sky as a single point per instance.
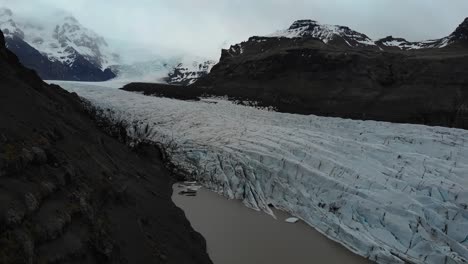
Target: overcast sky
(203, 27)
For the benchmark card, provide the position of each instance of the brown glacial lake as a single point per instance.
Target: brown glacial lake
(236, 234)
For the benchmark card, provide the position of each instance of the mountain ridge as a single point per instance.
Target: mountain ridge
(343, 35)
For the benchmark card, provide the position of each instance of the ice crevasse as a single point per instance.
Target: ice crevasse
(393, 193)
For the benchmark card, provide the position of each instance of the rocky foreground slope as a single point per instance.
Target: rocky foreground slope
(335, 71)
(72, 194)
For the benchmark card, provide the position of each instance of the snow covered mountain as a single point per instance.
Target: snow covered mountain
(189, 71)
(344, 36)
(63, 49)
(71, 50)
(337, 35)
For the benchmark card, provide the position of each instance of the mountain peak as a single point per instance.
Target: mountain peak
(303, 23)
(5, 12)
(461, 33)
(340, 35)
(465, 22)
(71, 19)
(391, 38)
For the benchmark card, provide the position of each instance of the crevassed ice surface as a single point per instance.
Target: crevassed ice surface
(394, 193)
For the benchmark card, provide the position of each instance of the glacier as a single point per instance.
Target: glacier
(393, 193)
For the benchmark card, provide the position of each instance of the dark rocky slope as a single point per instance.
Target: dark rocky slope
(70, 193)
(308, 76)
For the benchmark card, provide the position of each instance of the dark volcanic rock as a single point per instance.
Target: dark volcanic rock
(461, 33)
(166, 90)
(70, 193)
(304, 23)
(2, 42)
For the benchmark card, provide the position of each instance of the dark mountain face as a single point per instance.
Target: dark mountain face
(2, 44)
(461, 33)
(70, 193)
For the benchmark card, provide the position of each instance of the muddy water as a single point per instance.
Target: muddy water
(236, 234)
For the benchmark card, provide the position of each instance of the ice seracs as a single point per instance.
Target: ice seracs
(394, 193)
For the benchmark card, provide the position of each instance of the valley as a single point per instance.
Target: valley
(346, 178)
(220, 132)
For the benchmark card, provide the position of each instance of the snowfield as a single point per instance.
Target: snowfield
(394, 193)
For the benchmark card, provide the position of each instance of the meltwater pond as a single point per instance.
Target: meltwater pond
(393, 193)
(236, 234)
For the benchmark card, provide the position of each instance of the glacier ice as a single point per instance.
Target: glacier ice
(393, 193)
(292, 220)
